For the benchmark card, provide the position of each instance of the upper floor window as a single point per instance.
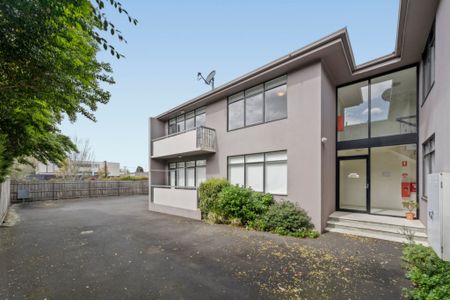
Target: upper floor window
(428, 63)
(263, 103)
(381, 106)
(188, 121)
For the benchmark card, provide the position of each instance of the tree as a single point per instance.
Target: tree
(22, 171)
(139, 169)
(77, 162)
(103, 170)
(49, 71)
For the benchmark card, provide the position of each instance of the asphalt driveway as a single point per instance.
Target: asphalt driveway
(113, 248)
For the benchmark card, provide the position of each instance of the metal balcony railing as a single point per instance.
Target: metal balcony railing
(194, 141)
(206, 138)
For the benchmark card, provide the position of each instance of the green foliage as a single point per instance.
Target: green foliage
(48, 72)
(222, 203)
(214, 218)
(286, 218)
(235, 202)
(125, 178)
(429, 274)
(410, 205)
(208, 194)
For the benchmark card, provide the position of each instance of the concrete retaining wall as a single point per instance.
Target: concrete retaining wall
(4, 199)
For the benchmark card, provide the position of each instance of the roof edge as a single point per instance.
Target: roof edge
(339, 35)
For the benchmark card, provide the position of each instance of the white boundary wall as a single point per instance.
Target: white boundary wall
(4, 199)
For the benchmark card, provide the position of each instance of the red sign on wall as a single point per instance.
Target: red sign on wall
(412, 187)
(340, 123)
(406, 192)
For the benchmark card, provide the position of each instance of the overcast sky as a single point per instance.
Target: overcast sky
(176, 39)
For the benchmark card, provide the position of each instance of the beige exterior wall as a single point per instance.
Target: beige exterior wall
(328, 131)
(434, 113)
(311, 163)
(300, 134)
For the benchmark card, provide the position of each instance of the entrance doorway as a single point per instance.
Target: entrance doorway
(377, 180)
(353, 183)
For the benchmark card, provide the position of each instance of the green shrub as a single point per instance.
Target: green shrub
(235, 202)
(124, 178)
(214, 218)
(429, 274)
(286, 218)
(208, 194)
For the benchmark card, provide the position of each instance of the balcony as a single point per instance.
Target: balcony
(200, 140)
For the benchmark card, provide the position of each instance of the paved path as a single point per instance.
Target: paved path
(113, 248)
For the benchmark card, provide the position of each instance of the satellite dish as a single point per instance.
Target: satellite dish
(209, 79)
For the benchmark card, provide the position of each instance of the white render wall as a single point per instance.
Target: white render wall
(181, 143)
(4, 199)
(434, 113)
(179, 198)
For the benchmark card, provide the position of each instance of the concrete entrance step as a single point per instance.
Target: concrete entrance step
(379, 227)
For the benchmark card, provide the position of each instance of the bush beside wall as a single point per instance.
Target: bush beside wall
(208, 193)
(241, 205)
(429, 274)
(286, 218)
(221, 202)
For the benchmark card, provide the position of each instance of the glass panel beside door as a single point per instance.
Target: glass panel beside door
(353, 183)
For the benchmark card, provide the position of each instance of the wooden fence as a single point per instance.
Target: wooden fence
(48, 190)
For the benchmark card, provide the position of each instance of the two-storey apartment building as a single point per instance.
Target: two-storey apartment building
(315, 128)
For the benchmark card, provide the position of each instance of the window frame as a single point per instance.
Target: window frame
(429, 53)
(374, 141)
(428, 154)
(283, 79)
(265, 103)
(264, 163)
(174, 166)
(194, 113)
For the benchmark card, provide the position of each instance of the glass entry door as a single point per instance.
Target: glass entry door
(353, 183)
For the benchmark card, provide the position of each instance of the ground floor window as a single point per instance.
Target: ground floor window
(187, 173)
(263, 172)
(377, 179)
(428, 163)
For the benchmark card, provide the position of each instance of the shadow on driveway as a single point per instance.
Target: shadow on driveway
(113, 248)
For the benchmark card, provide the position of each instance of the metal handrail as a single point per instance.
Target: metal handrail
(206, 138)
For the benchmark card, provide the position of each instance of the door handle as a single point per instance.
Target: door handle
(367, 186)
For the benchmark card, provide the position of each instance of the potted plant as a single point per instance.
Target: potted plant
(410, 205)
